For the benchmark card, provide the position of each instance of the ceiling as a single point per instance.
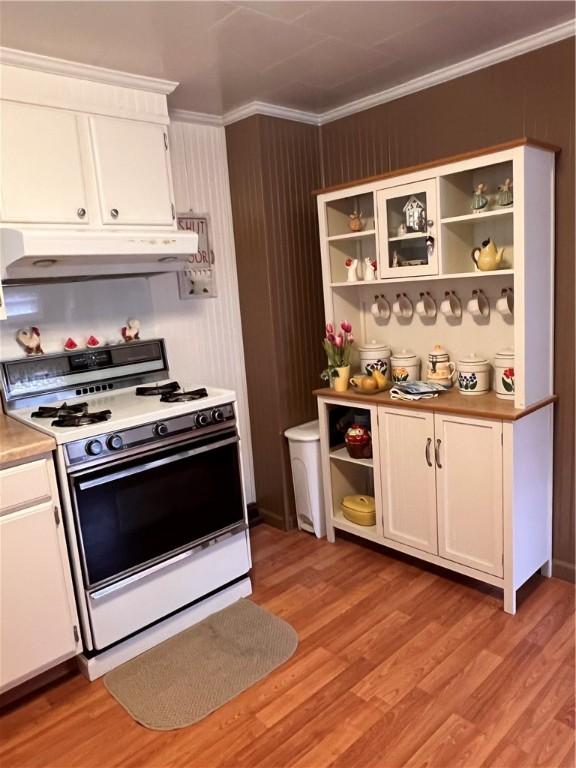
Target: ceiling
(312, 56)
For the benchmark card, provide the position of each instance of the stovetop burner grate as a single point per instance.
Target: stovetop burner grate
(184, 397)
(60, 411)
(82, 419)
(158, 389)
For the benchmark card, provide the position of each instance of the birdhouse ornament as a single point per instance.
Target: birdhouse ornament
(131, 331)
(29, 340)
(414, 215)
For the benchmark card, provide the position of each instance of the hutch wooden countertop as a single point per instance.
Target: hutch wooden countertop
(486, 406)
(19, 443)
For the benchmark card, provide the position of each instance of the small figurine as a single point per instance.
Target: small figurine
(131, 331)
(395, 258)
(369, 269)
(505, 197)
(401, 230)
(352, 267)
(70, 344)
(29, 339)
(479, 199)
(92, 342)
(414, 215)
(429, 248)
(356, 223)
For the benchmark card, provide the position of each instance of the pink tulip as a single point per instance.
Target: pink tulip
(346, 327)
(339, 341)
(331, 338)
(329, 328)
(350, 338)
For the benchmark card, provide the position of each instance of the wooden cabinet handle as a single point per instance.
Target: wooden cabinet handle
(427, 452)
(437, 453)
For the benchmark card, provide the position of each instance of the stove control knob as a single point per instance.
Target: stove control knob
(114, 442)
(217, 415)
(161, 429)
(93, 447)
(203, 419)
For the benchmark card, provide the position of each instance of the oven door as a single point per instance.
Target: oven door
(135, 513)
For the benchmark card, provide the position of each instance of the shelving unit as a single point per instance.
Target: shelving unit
(471, 494)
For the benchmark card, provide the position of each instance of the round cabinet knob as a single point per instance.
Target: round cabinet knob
(81, 212)
(114, 213)
(217, 415)
(429, 223)
(161, 429)
(93, 447)
(203, 419)
(114, 442)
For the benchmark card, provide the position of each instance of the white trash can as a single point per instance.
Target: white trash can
(304, 442)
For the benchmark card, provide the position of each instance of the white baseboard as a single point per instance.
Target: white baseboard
(95, 667)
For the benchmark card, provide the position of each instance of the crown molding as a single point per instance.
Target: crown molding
(483, 60)
(14, 58)
(197, 118)
(270, 110)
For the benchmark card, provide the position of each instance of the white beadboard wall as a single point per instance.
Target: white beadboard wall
(204, 336)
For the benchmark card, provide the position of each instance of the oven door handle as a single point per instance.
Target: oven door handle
(109, 478)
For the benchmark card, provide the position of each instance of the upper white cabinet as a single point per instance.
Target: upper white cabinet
(42, 174)
(89, 153)
(132, 172)
(469, 491)
(407, 217)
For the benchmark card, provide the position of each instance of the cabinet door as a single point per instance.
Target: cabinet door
(469, 491)
(407, 224)
(37, 617)
(42, 179)
(132, 172)
(408, 480)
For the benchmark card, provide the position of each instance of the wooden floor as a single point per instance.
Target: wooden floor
(398, 665)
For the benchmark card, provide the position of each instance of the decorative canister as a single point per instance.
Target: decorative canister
(405, 366)
(359, 509)
(473, 375)
(358, 442)
(375, 357)
(440, 369)
(504, 381)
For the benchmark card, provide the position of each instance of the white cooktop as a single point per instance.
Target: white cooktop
(128, 410)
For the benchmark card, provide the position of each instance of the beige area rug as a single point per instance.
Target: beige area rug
(190, 675)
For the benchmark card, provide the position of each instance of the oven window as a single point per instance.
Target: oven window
(130, 514)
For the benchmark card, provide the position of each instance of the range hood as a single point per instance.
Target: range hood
(44, 254)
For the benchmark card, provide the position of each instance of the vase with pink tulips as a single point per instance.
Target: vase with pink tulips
(338, 345)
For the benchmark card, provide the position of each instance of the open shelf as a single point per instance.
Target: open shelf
(352, 235)
(463, 234)
(456, 191)
(341, 454)
(426, 278)
(365, 531)
(338, 213)
(479, 216)
(407, 236)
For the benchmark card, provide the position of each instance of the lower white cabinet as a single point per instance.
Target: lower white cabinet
(473, 495)
(408, 477)
(468, 456)
(38, 620)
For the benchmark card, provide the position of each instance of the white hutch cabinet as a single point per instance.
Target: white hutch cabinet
(463, 482)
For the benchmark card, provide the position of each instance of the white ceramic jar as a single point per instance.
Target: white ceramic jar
(440, 368)
(375, 356)
(473, 375)
(405, 366)
(504, 381)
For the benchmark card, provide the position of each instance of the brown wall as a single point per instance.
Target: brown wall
(273, 166)
(531, 95)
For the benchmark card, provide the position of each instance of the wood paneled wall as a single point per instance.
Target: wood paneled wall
(273, 166)
(531, 95)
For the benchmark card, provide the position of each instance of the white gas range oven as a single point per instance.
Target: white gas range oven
(150, 479)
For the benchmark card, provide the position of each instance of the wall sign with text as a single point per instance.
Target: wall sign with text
(197, 279)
